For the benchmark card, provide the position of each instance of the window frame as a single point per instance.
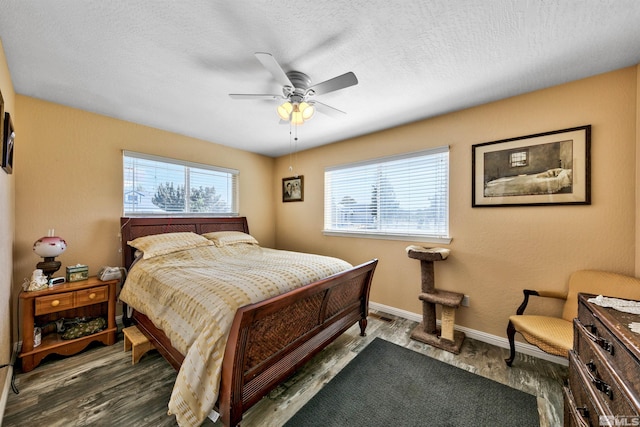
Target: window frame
(444, 238)
(233, 205)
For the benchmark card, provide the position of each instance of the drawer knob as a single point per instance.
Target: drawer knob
(55, 303)
(92, 295)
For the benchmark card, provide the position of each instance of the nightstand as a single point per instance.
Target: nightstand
(85, 298)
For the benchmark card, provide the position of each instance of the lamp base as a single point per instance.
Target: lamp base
(49, 266)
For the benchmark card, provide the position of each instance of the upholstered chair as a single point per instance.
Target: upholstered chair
(554, 335)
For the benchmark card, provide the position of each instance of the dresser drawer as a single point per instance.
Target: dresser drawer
(53, 303)
(92, 296)
(586, 402)
(606, 383)
(613, 352)
(574, 415)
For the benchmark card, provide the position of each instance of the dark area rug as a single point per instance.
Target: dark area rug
(389, 385)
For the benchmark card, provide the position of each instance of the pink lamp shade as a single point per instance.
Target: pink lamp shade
(49, 247)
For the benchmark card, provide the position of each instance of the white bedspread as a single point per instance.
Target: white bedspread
(193, 295)
(549, 182)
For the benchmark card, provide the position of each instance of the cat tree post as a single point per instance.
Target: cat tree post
(445, 337)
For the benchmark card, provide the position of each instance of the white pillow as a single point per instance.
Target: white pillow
(162, 244)
(224, 238)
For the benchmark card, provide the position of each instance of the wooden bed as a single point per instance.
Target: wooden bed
(271, 339)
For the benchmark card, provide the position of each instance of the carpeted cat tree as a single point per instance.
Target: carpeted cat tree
(444, 337)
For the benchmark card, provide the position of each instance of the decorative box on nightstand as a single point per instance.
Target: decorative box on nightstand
(85, 299)
(77, 272)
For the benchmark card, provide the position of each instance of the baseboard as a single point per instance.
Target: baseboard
(5, 391)
(4, 395)
(523, 348)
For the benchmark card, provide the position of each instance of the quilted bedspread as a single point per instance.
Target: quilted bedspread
(192, 295)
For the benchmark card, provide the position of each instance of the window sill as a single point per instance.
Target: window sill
(405, 237)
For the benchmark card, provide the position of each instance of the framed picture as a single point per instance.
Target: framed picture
(8, 139)
(535, 170)
(1, 123)
(293, 189)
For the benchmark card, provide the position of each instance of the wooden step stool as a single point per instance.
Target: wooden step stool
(135, 341)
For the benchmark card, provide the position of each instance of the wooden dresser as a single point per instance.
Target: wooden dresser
(604, 368)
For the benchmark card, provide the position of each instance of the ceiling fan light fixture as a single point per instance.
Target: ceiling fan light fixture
(284, 110)
(307, 110)
(296, 117)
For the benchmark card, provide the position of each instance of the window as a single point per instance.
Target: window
(392, 197)
(519, 158)
(157, 185)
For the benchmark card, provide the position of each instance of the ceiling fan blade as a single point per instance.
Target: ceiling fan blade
(328, 109)
(270, 63)
(336, 83)
(254, 96)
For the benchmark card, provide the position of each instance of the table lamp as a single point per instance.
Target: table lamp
(49, 247)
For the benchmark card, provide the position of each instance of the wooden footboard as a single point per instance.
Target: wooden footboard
(271, 339)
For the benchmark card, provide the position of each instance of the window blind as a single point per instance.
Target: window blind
(404, 195)
(159, 186)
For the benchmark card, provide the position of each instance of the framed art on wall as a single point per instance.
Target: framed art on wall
(1, 121)
(293, 189)
(8, 139)
(535, 170)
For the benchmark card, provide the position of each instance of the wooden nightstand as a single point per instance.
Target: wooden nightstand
(86, 298)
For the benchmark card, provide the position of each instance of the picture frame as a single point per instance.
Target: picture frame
(8, 142)
(293, 189)
(1, 124)
(551, 168)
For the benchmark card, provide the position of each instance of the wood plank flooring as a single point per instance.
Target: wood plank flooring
(100, 386)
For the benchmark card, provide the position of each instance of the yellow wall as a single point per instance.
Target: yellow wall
(69, 177)
(7, 217)
(495, 252)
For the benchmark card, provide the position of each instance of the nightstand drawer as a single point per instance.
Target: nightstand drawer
(53, 303)
(92, 296)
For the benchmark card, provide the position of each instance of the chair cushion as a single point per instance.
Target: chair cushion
(551, 334)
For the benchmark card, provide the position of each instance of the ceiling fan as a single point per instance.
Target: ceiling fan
(297, 91)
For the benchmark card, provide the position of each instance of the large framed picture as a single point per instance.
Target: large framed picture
(8, 139)
(535, 170)
(293, 189)
(1, 124)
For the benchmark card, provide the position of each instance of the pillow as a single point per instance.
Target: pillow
(224, 238)
(162, 244)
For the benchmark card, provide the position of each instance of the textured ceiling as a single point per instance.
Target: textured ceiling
(171, 64)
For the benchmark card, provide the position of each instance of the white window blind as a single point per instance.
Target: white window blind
(161, 186)
(401, 196)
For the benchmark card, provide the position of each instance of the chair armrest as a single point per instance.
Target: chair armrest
(547, 294)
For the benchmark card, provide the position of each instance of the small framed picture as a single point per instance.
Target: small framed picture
(552, 168)
(293, 189)
(8, 139)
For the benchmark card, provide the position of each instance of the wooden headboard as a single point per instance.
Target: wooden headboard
(134, 227)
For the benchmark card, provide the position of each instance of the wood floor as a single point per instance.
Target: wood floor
(100, 386)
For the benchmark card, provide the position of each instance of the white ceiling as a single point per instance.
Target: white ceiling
(171, 64)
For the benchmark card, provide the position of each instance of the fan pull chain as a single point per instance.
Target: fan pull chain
(293, 148)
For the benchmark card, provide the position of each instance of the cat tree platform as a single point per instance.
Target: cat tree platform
(445, 336)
